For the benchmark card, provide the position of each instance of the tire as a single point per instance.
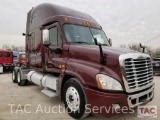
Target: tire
(19, 80)
(73, 93)
(14, 76)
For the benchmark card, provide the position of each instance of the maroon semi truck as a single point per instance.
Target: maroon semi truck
(69, 55)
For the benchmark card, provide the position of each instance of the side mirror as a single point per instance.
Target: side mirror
(110, 41)
(23, 34)
(98, 41)
(46, 37)
(143, 46)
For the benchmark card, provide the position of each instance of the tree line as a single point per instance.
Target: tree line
(13, 48)
(153, 52)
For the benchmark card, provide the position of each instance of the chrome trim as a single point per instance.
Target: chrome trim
(137, 96)
(137, 55)
(24, 73)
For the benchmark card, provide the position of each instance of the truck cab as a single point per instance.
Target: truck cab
(15, 55)
(6, 60)
(21, 59)
(69, 55)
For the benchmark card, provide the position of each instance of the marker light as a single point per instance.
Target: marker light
(90, 24)
(66, 19)
(83, 22)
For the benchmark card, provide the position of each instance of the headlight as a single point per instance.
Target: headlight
(108, 83)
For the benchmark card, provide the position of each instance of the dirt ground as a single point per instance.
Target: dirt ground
(21, 103)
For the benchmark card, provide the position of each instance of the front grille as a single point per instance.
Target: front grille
(138, 72)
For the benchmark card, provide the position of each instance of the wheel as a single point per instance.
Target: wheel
(20, 81)
(14, 76)
(74, 99)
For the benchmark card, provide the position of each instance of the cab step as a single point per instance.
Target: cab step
(49, 92)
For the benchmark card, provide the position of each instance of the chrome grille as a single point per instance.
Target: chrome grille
(138, 72)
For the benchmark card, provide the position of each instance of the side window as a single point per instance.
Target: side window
(1, 54)
(54, 36)
(7, 54)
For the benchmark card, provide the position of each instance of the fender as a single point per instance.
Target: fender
(86, 71)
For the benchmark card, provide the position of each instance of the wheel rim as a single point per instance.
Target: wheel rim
(13, 75)
(72, 99)
(18, 78)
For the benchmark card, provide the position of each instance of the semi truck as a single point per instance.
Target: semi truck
(21, 58)
(6, 60)
(15, 55)
(69, 55)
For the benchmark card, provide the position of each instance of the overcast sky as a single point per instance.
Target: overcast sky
(125, 21)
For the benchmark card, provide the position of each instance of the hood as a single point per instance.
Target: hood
(90, 54)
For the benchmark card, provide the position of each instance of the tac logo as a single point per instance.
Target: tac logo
(147, 111)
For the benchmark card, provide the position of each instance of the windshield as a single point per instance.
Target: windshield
(7, 54)
(22, 56)
(0, 54)
(82, 34)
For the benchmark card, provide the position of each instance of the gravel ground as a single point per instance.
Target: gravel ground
(30, 98)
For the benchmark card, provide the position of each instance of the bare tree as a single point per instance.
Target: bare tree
(157, 52)
(14, 48)
(135, 47)
(152, 52)
(123, 46)
(6, 46)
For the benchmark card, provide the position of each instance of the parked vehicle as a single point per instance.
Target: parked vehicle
(6, 60)
(15, 55)
(156, 65)
(21, 58)
(69, 55)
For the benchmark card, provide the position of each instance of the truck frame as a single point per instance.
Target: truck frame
(69, 55)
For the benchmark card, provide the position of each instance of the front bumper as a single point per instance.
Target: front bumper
(140, 98)
(7, 65)
(104, 102)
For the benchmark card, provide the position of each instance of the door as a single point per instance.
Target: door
(53, 59)
(32, 52)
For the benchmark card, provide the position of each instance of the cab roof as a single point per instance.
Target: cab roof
(47, 12)
(2, 50)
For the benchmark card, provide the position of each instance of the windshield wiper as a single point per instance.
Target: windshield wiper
(80, 42)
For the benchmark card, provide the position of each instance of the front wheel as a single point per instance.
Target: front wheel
(74, 99)
(20, 81)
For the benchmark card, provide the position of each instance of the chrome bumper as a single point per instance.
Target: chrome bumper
(140, 98)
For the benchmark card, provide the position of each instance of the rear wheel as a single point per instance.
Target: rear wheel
(14, 76)
(74, 99)
(20, 81)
